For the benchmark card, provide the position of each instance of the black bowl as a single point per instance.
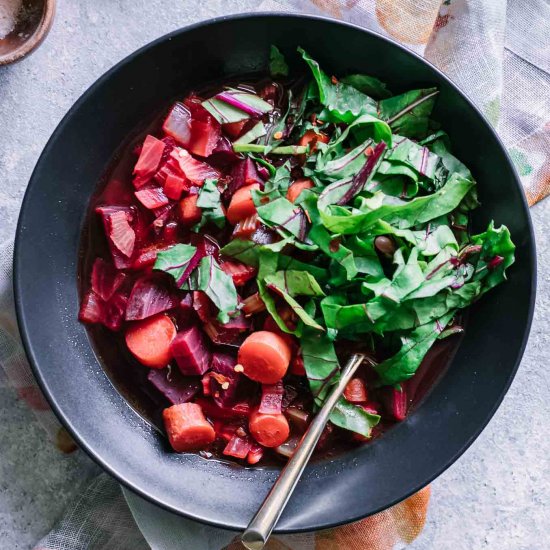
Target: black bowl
(333, 491)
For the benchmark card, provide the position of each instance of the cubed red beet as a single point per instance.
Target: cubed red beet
(190, 351)
(174, 186)
(194, 170)
(91, 308)
(117, 221)
(106, 279)
(243, 173)
(152, 197)
(149, 157)
(204, 136)
(178, 124)
(175, 387)
(150, 295)
(272, 398)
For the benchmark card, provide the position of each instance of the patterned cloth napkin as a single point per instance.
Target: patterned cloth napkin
(498, 52)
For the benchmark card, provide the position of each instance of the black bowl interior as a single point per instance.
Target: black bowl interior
(333, 491)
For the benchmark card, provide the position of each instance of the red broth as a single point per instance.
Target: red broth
(150, 391)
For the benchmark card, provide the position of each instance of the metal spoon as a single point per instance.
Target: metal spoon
(259, 529)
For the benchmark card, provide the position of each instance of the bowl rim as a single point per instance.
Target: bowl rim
(17, 272)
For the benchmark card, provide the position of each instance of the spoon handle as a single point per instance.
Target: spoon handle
(256, 534)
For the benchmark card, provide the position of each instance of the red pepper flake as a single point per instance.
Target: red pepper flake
(278, 135)
(334, 245)
(369, 151)
(333, 79)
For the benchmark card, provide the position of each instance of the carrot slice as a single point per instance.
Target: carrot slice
(297, 187)
(190, 213)
(187, 428)
(241, 205)
(269, 430)
(311, 137)
(265, 357)
(355, 391)
(149, 340)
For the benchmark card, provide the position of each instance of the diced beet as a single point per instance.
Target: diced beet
(232, 333)
(190, 352)
(204, 136)
(152, 197)
(227, 386)
(117, 222)
(147, 256)
(150, 295)
(178, 124)
(175, 387)
(170, 232)
(395, 402)
(193, 103)
(141, 181)
(238, 447)
(214, 411)
(272, 398)
(246, 228)
(186, 304)
(169, 168)
(234, 129)
(223, 153)
(149, 157)
(239, 272)
(161, 216)
(204, 307)
(174, 186)
(91, 308)
(243, 173)
(194, 170)
(105, 279)
(114, 311)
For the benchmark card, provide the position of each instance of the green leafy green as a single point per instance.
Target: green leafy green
(217, 285)
(210, 203)
(277, 63)
(414, 347)
(408, 114)
(342, 102)
(368, 85)
(404, 214)
(175, 260)
(351, 417)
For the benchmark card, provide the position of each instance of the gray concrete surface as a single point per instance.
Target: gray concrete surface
(497, 496)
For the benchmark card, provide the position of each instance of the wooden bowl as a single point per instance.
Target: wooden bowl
(33, 24)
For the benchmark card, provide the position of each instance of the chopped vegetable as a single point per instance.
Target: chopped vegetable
(190, 352)
(265, 357)
(269, 430)
(187, 428)
(150, 340)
